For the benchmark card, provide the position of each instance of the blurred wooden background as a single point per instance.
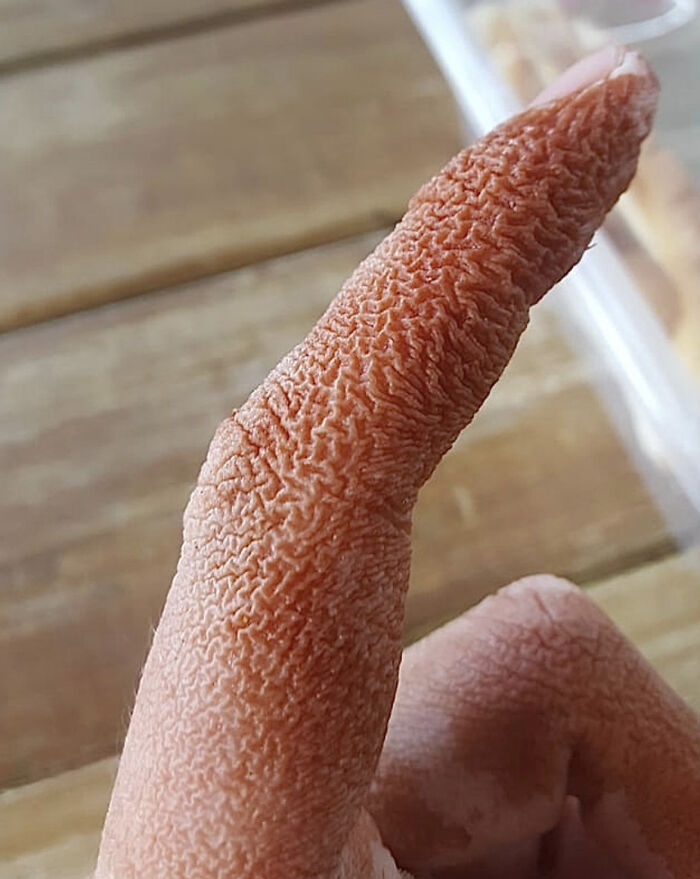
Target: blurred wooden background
(184, 187)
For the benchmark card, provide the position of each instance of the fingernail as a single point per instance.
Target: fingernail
(611, 60)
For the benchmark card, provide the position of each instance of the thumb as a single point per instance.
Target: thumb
(529, 698)
(265, 698)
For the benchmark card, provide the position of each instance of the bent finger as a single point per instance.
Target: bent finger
(264, 701)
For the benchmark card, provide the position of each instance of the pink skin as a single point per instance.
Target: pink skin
(260, 744)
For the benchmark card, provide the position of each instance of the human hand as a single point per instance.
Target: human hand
(259, 746)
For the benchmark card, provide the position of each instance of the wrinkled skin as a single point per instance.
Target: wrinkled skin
(527, 738)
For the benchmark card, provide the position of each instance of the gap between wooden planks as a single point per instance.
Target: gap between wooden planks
(50, 830)
(146, 167)
(36, 33)
(107, 416)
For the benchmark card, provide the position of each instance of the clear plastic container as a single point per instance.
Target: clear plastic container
(631, 309)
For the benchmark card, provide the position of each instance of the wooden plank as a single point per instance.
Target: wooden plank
(141, 168)
(37, 31)
(539, 483)
(106, 417)
(50, 830)
(657, 606)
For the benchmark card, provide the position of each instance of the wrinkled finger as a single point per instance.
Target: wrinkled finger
(264, 701)
(531, 697)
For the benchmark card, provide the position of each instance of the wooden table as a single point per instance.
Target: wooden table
(184, 187)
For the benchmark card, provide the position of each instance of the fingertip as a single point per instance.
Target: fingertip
(546, 583)
(539, 594)
(606, 64)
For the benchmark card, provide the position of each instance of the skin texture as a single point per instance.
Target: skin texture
(265, 699)
(532, 696)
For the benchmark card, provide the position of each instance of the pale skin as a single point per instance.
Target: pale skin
(273, 735)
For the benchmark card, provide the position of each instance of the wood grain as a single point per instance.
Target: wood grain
(39, 31)
(50, 830)
(171, 161)
(657, 606)
(106, 417)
